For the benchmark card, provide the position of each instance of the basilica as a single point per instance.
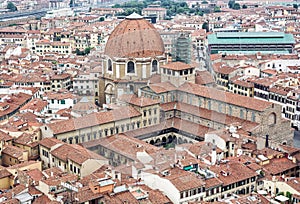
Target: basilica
(133, 54)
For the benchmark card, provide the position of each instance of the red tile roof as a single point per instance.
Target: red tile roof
(138, 101)
(226, 97)
(93, 120)
(177, 66)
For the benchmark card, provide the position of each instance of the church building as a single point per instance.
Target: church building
(133, 54)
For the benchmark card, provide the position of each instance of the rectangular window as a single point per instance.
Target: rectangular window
(253, 117)
(242, 114)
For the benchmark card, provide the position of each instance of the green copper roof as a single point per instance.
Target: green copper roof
(255, 51)
(251, 38)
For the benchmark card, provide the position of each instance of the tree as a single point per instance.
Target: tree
(289, 195)
(87, 50)
(295, 6)
(71, 4)
(78, 52)
(192, 10)
(11, 7)
(244, 6)
(101, 19)
(205, 26)
(180, 10)
(217, 9)
(231, 3)
(236, 6)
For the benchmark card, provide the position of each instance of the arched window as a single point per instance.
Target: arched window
(130, 67)
(272, 119)
(109, 65)
(154, 66)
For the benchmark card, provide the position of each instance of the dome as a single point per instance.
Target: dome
(134, 37)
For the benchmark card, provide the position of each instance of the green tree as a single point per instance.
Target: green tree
(295, 6)
(192, 10)
(180, 10)
(101, 19)
(71, 4)
(231, 3)
(183, 4)
(244, 6)
(200, 13)
(205, 26)
(11, 7)
(78, 52)
(289, 195)
(236, 6)
(116, 6)
(87, 50)
(280, 193)
(217, 9)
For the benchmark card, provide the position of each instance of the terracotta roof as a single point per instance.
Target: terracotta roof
(36, 105)
(35, 174)
(182, 179)
(85, 194)
(33, 191)
(213, 182)
(56, 181)
(75, 153)
(50, 142)
(162, 87)
(122, 144)
(208, 114)
(13, 151)
(235, 172)
(227, 97)
(204, 77)
(42, 200)
(4, 173)
(155, 196)
(94, 119)
(60, 76)
(138, 101)
(278, 166)
(134, 38)
(120, 198)
(11, 201)
(223, 69)
(60, 96)
(177, 66)
(5, 137)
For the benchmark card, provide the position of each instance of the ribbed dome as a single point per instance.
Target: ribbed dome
(134, 37)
